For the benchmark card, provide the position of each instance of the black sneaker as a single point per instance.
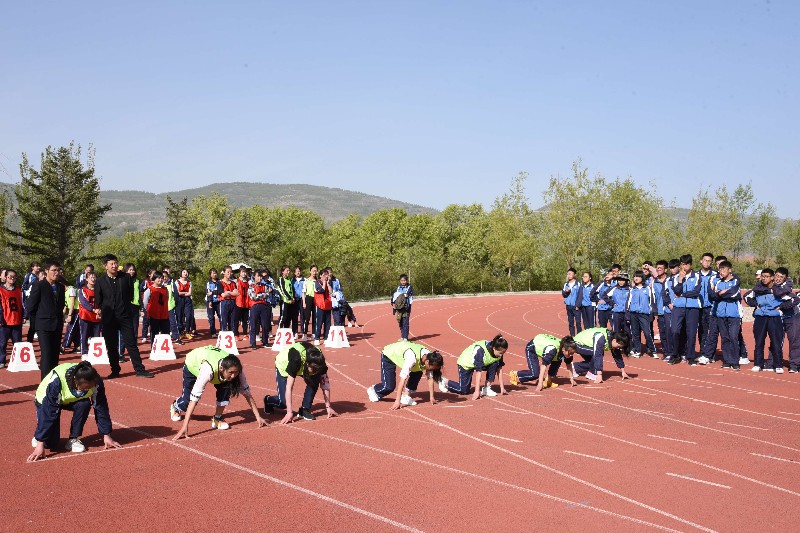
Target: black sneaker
(692, 362)
(113, 375)
(674, 360)
(306, 414)
(268, 409)
(735, 367)
(144, 374)
(726, 365)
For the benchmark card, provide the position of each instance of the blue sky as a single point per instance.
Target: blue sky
(428, 102)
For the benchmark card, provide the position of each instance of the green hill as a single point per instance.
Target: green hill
(136, 210)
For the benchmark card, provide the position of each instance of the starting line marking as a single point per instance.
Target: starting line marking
(655, 380)
(785, 413)
(499, 437)
(511, 411)
(454, 406)
(742, 426)
(358, 417)
(699, 386)
(590, 456)
(637, 392)
(773, 457)
(670, 438)
(584, 423)
(698, 480)
(582, 401)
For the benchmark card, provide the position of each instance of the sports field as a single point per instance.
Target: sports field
(675, 448)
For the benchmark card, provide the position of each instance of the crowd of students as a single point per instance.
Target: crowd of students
(694, 311)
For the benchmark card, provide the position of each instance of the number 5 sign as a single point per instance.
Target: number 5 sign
(226, 341)
(23, 358)
(98, 355)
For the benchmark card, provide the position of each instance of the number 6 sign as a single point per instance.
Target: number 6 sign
(23, 358)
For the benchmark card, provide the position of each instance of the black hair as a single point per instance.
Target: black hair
(720, 258)
(662, 263)
(51, 263)
(212, 270)
(648, 263)
(782, 270)
(155, 274)
(34, 264)
(623, 339)
(10, 271)
(235, 384)
(85, 373)
(617, 266)
(686, 259)
(768, 271)
(570, 269)
(435, 358)
(569, 343)
(725, 264)
(403, 276)
(128, 266)
(590, 275)
(315, 361)
(109, 257)
(640, 274)
(499, 342)
(284, 267)
(674, 263)
(89, 265)
(708, 254)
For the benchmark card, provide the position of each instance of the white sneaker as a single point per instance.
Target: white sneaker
(756, 369)
(443, 385)
(75, 446)
(174, 414)
(779, 370)
(218, 423)
(744, 361)
(316, 342)
(591, 376)
(34, 442)
(703, 360)
(635, 354)
(768, 369)
(654, 355)
(407, 400)
(487, 391)
(373, 396)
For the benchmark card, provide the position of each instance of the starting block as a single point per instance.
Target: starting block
(283, 338)
(162, 348)
(23, 358)
(227, 341)
(98, 354)
(337, 338)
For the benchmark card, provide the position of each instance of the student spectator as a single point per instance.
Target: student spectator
(686, 312)
(766, 322)
(598, 295)
(658, 283)
(570, 293)
(309, 310)
(89, 313)
(27, 283)
(143, 285)
(783, 290)
(288, 311)
(324, 305)
(241, 314)
(618, 298)
(706, 273)
(213, 290)
(11, 317)
(585, 304)
(72, 335)
(113, 296)
(639, 312)
(156, 301)
(183, 305)
(402, 299)
(298, 284)
(726, 312)
(260, 310)
(227, 300)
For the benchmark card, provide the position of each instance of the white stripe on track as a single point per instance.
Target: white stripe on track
(690, 478)
(589, 456)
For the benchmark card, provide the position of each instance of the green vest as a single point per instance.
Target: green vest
(67, 296)
(136, 293)
(586, 337)
(171, 296)
(309, 288)
(542, 341)
(210, 354)
(282, 359)
(396, 350)
(467, 358)
(66, 397)
(287, 292)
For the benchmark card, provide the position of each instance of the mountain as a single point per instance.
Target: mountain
(136, 210)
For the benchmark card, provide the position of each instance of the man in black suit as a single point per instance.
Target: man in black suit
(46, 303)
(113, 294)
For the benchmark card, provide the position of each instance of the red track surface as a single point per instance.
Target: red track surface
(676, 448)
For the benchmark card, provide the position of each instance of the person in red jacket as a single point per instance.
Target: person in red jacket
(11, 317)
(89, 321)
(260, 309)
(324, 305)
(156, 301)
(241, 314)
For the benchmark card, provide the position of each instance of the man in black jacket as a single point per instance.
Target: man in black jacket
(113, 294)
(46, 303)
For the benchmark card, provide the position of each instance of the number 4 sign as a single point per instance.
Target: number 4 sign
(23, 358)
(162, 349)
(98, 355)
(226, 341)
(337, 338)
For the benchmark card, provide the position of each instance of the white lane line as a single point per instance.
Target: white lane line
(690, 478)
(776, 458)
(76, 455)
(741, 426)
(582, 401)
(511, 411)
(670, 438)
(637, 392)
(698, 386)
(499, 437)
(584, 423)
(590, 456)
(656, 380)
(785, 413)
(358, 417)
(455, 406)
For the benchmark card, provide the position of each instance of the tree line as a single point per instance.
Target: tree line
(588, 223)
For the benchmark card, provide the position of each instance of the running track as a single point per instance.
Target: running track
(674, 449)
